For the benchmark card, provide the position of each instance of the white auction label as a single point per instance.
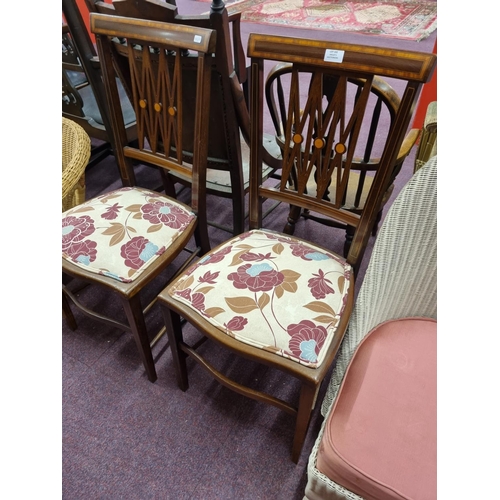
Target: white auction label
(332, 55)
(197, 38)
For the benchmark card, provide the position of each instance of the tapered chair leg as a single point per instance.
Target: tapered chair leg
(377, 223)
(174, 332)
(135, 317)
(306, 405)
(293, 217)
(68, 313)
(238, 216)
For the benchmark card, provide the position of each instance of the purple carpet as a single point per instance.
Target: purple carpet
(126, 438)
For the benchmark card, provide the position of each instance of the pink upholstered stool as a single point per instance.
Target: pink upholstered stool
(380, 437)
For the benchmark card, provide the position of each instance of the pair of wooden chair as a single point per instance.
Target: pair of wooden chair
(270, 297)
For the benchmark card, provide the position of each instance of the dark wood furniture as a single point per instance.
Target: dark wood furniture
(150, 59)
(229, 133)
(83, 95)
(382, 107)
(273, 298)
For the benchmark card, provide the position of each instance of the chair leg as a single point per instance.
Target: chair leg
(68, 313)
(238, 215)
(293, 217)
(349, 235)
(376, 223)
(174, 331)
(306, 405)
(135, 317)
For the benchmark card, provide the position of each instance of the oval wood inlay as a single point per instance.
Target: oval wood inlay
(340, 148)
(319, 143)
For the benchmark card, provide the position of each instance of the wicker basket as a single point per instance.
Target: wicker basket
(75, 157)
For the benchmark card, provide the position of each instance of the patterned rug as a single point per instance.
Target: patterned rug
(409, 20)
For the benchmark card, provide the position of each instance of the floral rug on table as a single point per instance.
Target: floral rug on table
(409, 20)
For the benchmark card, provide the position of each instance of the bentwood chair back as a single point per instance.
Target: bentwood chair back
(83, 94)
(275, 299)
(124, 239)
(229, 132)
(382, 106)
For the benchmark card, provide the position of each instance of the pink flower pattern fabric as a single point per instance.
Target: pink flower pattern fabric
(119, 234)
(271, 291)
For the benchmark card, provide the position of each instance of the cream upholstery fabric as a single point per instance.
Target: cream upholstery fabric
(273, 291)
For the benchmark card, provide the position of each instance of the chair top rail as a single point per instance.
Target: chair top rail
(181, 36)
(399, 64)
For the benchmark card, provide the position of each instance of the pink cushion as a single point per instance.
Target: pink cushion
(380, 437)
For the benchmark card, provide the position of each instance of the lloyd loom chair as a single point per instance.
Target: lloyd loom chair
(382, 108)
(378, 439)
(229, 131)
(124, 239)
(273, 298)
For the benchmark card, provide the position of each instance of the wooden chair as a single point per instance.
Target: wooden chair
(382, 105)
(83, 95)
(400, 283)
(229, 133)
(427, 146)
(277, 299)
(124, 239)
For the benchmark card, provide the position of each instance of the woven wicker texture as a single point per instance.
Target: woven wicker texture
(75, 157)
(401, 281)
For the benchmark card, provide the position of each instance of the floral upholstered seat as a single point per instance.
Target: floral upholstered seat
(119, 234)
(270, 291)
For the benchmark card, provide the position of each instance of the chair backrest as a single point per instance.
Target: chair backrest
(321, 136)
(229, 116)
(149, 56)
(83, 94)
(79, 101)
(427, 147)
(381, 109)
(401, 278)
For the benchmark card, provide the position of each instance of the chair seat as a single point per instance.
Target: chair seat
(350, 202)
(380, 436)
(220, 180)
(120, 233)
(270, 291)
(91, 108)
